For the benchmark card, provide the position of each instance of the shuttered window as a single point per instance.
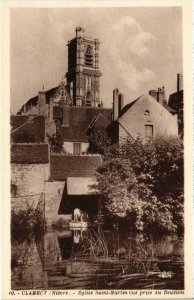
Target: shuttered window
(77, 148)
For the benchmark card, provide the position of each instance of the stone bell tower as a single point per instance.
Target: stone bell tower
(83, 76)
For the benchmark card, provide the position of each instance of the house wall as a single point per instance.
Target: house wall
(68, 146)
(53, 195)
(132, 122)
(27, 184)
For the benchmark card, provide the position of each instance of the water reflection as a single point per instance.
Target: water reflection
(98, 259)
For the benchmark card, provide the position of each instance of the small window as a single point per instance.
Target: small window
(76, 148)
(148, 131)
(146, 112)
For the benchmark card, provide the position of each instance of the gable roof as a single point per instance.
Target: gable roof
(80, 118)
(98, 121)
(126, 107)
(65, 166)
(147, 96)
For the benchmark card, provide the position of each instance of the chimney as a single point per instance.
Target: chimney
(121, 103)
(115, 104)
(164, 102)
(42, 102)
(79, 32)
(65, 121)
(153, 93)
(51, 110)
(179, 82)
(160, 96)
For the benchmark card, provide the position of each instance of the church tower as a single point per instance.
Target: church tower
(83, 76)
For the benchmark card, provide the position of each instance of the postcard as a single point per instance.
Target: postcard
(96, 149)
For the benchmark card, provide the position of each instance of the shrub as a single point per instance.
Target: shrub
(27, 223)
(59, 225)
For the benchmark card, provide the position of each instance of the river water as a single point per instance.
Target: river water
(98, 259)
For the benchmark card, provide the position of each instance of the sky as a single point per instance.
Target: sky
(141, 49)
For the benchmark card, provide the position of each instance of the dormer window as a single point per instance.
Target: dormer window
(89, 56)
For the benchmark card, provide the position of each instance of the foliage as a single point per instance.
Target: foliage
(143, 184)
(99, 141)
(26, 223)
(56, 143)
(59, 225)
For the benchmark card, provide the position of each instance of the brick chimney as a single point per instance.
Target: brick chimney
(121, 103)
(179, 82)
(42, 102)
(160, 96)
(115, 104)
(153, 93)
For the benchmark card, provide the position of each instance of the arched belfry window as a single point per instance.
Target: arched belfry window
(89, 56)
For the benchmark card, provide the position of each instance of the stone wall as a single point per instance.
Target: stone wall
(53, 194)
(27, 184)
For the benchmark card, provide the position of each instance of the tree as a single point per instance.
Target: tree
(143, 183)
(56, 143)
(99, 141)
(117, 184)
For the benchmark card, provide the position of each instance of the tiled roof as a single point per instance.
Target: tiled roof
(126, 107)
(28, 129)
(17, 121)
(74, 133)
(65, 166)
(29, 153)
(79, 120)
(49, 94)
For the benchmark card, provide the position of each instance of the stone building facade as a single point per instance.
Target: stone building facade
(83, 76)
(143, 118)
(29, 172)
(72, 107)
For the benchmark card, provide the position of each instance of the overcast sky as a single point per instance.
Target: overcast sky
(141, 49)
